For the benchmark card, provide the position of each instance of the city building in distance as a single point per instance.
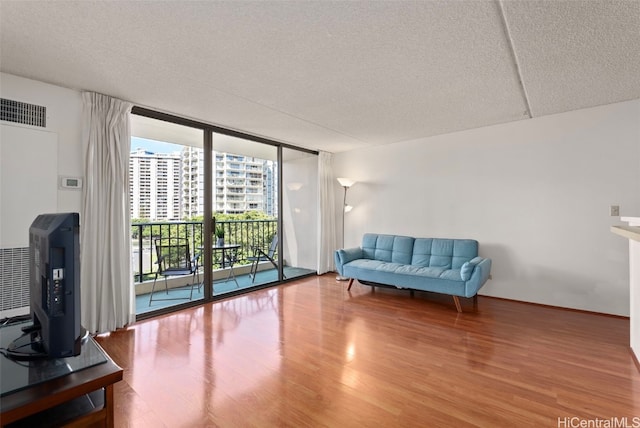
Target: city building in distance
(170, 186)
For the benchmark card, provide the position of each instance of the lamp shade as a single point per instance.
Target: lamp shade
(346, 182)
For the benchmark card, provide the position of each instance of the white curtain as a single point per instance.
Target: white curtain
(107, 295)
(327, 217)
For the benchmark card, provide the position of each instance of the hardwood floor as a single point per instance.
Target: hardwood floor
(311, 354)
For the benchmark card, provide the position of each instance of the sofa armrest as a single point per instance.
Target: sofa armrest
(346, 255)
(479, 275)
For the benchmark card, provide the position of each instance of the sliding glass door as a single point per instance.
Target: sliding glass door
(245, 250)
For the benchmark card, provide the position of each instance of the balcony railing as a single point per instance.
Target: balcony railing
(248, 233)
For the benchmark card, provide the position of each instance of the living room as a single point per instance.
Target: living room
(523, 140)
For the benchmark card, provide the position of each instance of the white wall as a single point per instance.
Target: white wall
(534, 193)
(25, 195)
(64, 110)
(32, 160)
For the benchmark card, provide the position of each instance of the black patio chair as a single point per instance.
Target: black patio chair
(259, 255)
(174, 259)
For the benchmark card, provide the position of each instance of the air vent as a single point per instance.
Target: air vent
(14, 278)
(19, 112)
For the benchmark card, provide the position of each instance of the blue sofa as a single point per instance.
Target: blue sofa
(448, 266)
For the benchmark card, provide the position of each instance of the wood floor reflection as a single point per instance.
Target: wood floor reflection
(311, 354)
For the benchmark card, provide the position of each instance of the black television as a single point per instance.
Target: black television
(54, 286)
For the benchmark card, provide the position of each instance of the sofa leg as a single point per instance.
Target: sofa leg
(412, 293)
(350, 283)
(456, 300)
(475, 303)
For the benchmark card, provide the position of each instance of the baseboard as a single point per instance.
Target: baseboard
(584, 311)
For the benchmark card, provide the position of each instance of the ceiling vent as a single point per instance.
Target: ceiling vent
(26, 114)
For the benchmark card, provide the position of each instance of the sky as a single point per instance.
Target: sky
(153, 146)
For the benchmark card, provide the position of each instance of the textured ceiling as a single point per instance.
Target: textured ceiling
(334, 76)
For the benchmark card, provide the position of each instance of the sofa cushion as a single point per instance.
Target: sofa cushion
(444, 253)
(384, 248)
(424, 271)
(467, 268)
(451, 274)
(463, 251)
(402, 250)
(421, 251)
(369, 245)
(441, 253)
(387, 248)
(367, 264)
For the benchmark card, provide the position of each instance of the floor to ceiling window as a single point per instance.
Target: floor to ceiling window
(166, 207)
(245, 207)
(241, 208)
(299, 211)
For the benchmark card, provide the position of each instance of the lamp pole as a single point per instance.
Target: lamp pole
(346, 183)
(344, 206)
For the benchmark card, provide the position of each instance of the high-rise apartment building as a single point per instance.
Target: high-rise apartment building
(192, 182)
(270, 187)
(155, 185)
(240, 184)
(170, 186)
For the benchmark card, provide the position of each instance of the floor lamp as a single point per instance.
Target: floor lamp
(346, 183)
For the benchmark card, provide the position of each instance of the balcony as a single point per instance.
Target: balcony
(247, 233)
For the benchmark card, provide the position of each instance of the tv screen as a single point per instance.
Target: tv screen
(54, 286)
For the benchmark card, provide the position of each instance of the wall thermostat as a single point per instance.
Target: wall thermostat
(71, 183)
